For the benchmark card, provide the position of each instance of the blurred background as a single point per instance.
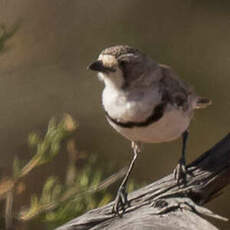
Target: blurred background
(43, 74)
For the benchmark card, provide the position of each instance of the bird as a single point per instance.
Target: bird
(145, 102)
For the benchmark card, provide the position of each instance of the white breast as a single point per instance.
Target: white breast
(135, 105)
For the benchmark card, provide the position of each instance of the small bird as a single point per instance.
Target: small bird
(145, 102)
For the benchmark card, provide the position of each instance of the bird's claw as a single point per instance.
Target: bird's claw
(180, 172)
(121, 202)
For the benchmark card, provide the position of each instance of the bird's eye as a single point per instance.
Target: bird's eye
(122, 63)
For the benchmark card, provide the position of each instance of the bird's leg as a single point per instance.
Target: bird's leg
(121, 199)
(180, 170)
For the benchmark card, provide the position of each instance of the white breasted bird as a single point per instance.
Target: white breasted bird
(146, 103)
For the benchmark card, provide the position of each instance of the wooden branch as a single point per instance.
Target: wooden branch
(165, 205)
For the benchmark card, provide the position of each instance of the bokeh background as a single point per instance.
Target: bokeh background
(43, 73)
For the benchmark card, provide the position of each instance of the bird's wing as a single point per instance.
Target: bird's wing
(178, 92)
(173, 89)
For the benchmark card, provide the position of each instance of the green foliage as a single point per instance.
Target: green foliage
(48, 147)
(63, 203)
(45, 149)
(84, 187)
(60, 202)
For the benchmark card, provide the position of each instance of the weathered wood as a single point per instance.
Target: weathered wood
(165, 205)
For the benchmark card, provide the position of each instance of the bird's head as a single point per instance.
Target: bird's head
(119, 65)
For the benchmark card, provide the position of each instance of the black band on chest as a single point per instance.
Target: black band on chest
(154, 117)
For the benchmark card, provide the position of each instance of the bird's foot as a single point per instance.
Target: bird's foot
(180, 172)
(121, 202)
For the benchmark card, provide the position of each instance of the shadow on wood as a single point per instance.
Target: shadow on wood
(163, 205)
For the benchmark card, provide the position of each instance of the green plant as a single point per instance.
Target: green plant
(45, 149)
(84, 186)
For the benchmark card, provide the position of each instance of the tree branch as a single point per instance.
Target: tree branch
(165, 205)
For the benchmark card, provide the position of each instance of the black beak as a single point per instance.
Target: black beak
(99, 67)
(96, 66)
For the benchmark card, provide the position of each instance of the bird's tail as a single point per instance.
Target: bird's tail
(201, 102)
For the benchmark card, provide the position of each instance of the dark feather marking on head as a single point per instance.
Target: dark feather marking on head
(124, 67)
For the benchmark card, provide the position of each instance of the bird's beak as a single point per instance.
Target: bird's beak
(96, 66)
(99, 67)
